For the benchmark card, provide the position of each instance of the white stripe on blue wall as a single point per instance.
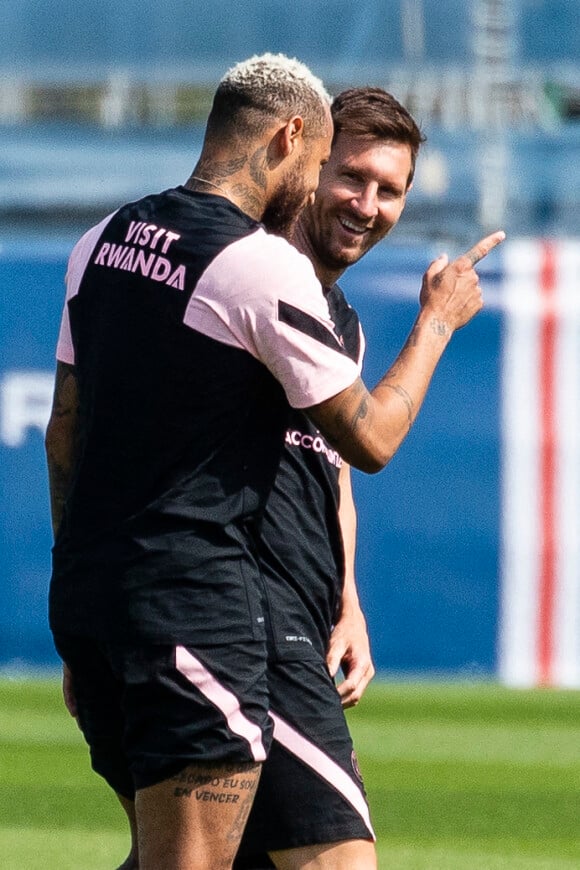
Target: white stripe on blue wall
(539, 630)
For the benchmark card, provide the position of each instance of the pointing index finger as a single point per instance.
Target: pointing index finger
(483, 247)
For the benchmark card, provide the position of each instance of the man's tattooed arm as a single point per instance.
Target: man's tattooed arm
(346, 421)
(61, 440)
(368, 427)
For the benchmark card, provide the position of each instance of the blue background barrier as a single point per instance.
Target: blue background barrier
(31, 281)
(428, 524)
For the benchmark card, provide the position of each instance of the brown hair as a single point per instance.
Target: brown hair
(372, 113)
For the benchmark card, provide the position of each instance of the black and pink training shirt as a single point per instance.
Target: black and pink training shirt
(191, 331)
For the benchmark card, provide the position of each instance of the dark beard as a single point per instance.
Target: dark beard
(283, 210)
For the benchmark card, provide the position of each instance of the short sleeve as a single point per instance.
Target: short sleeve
(77, 264)
(262, 295)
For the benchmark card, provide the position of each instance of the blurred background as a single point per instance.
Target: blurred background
(468, 558)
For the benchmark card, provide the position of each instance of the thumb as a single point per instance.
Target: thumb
(333, 659)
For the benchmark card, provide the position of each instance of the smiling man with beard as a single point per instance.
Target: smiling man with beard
(363, 189)
(310, 808)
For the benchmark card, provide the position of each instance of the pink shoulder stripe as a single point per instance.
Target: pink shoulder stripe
(76, 266)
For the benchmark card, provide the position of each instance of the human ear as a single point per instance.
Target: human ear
(291, 134)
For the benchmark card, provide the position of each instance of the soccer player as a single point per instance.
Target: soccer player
(169, 413)
(308, 534)
(310, 799)
(185, 673)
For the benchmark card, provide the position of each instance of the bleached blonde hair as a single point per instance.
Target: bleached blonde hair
(265, 87)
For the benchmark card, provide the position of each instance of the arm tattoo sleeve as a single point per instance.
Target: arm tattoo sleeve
(61, 439)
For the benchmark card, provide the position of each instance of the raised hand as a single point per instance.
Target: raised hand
(451, 291)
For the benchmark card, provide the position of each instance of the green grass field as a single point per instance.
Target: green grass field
(460, 777)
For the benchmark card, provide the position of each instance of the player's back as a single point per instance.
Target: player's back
(180, 432)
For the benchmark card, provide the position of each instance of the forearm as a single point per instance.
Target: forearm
(399, 395)
(61, 441)
(59, 478)
(348, 526)
(349, 647)
(368, 427)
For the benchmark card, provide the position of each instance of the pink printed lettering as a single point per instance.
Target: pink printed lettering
(100, 258)
(161, 269)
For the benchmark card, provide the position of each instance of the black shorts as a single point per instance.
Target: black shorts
(310, 790)
(148, 713)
